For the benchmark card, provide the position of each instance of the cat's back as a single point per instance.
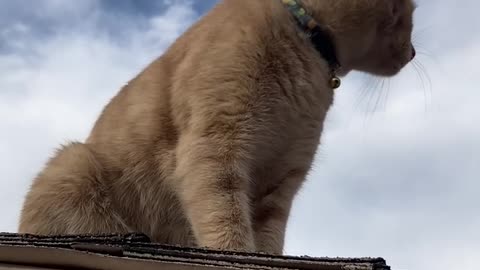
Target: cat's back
(234, 55)
(155, 105)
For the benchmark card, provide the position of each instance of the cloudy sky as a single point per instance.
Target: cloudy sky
(395, 174)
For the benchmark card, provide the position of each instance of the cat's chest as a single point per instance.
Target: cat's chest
(298, 99)
(304, 95)
(296, 157)
(298, 80)
(303, 104)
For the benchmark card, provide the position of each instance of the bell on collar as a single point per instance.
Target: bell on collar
(335, 82)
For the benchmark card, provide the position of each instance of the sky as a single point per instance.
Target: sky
(395, 175)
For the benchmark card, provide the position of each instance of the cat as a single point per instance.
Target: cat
(210, 143)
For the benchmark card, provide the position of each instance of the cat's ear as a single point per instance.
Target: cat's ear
(393, 13)
(394, 9)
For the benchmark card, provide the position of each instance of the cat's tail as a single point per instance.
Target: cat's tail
(69, 196)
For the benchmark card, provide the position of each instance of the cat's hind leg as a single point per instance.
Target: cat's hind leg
(70, 197)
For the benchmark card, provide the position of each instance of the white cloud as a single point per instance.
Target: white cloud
(60, 7)
(54, 92)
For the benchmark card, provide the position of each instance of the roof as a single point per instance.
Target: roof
(135, 251)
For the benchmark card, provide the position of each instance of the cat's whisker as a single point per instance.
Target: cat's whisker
(380, 94)
(426, 54)
(420, 73)
(387, 93)
(422, 50)
(424, 70)
(419, 46)
(369, 112)
(364, 90)
(425, 73)
(417, 72)
(419, 33)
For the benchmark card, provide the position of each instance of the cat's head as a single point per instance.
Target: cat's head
(373, 36)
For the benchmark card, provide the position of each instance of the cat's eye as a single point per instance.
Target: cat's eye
(390, 25)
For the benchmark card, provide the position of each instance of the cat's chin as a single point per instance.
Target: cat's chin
(388, 71)
(384, 70)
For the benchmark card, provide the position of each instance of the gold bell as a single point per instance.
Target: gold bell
(335, 82)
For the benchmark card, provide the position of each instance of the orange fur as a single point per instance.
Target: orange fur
(210, 143)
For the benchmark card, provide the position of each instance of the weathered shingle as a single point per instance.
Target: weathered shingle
(135, 251)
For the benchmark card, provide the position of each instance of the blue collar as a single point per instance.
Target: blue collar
(321, 39)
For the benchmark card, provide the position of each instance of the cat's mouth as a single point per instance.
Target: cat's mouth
(401, 61)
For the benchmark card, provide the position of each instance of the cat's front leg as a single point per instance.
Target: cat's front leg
(212, 184)
(272, 212)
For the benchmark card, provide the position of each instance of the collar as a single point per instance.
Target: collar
(321, 39)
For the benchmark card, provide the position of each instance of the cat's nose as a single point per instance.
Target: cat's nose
(413, 53)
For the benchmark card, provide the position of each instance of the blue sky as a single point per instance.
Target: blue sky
(395, 177)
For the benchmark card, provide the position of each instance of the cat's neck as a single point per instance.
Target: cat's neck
(306, 28)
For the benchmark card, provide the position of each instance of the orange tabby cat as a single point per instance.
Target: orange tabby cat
(210, 143)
